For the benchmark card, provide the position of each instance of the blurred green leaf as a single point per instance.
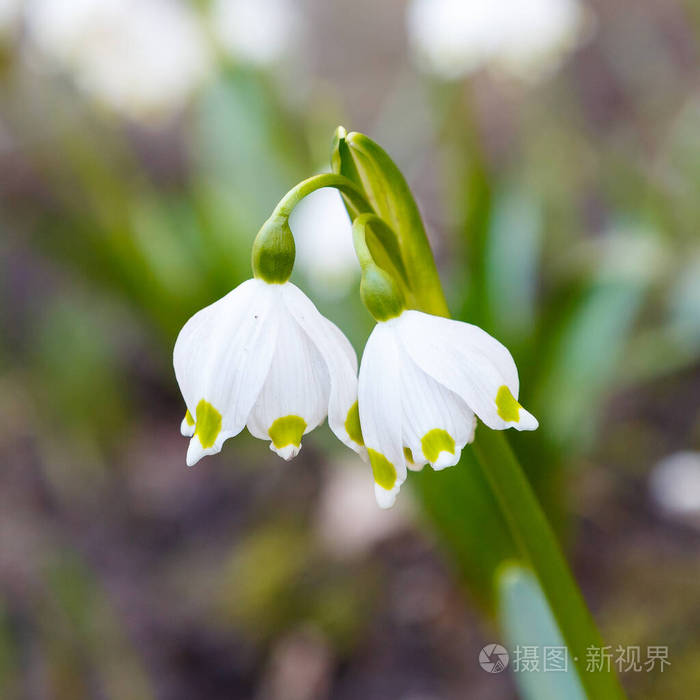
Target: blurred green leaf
(87, 646)
(526, 620)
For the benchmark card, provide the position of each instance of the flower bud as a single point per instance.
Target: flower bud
(274, 251)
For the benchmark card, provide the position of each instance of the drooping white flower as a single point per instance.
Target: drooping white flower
(264, 357)
(453, 38)
(142, 58)
(423, 381)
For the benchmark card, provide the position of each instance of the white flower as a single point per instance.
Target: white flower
(675, 486)
(265, 358)
(143, 58)
(256, 32)
(9, 15)
(423, 380)
(453, 38)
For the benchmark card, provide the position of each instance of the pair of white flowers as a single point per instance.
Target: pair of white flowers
(263, 357)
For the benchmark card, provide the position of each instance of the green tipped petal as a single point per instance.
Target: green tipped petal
(208, 423)
(508, 407)
(383, 470)
(436, 441)
(352, 425)
(287, 431)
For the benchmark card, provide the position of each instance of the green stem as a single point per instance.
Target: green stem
(376, 241)
(359, 239)
(274, 251)
(539, 548)
(306, 187)
(379, 290)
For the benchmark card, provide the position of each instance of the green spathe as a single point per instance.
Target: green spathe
(436, 441)
(508, 407)
(208, 423)
(352, 425)
(383, 470)
(287, 431)
(366, 164)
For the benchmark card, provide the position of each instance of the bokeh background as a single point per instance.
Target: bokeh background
(554, 150)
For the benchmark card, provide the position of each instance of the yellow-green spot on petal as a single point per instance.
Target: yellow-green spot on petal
(436, 441)
(208, 423)
(508, 407)
(383, 470)
(352, 425)
(188, 418)
(408, 455)
(287, 431)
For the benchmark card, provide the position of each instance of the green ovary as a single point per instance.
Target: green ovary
(508, 407)
(436, 441)
(352, 425)
(287, 431)
(383, 470)
(208, 423)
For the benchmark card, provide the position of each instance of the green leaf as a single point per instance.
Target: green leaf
(579, 359)
(526, 620)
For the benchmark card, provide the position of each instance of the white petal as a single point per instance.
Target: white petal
(386, 497)
(379, 396)
(433, 415)
(287, 452)
(339, 356)
(222, 356)
(295, 391)
(416, 461)
(186, 428)
(466, 360)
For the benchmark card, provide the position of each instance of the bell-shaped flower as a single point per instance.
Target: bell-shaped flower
(264, 357)
(423, 381)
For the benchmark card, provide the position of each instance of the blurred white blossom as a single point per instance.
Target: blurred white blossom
(323, 235)
(143, 58)
(453, 38)
(348, 521)
(674, 485)
(9, 15)
(257, 32)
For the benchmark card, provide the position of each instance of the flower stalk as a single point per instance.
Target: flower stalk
(274, 250)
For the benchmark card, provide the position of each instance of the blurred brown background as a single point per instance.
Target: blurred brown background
(554, 150)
